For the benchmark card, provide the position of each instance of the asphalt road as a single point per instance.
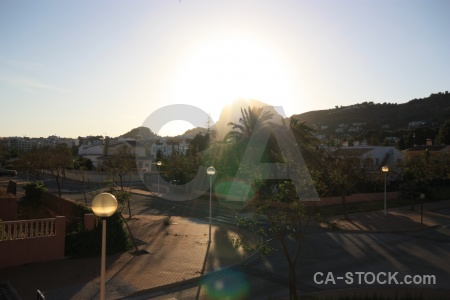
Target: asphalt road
(329, 260)
(369, 260)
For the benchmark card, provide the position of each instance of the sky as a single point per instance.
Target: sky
(78, 68)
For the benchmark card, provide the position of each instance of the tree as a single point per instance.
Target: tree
(81, 165)
(181, 168)
(341, 173)
(199, 143)
(118, 166)
(444, 134)
(2, 154)
(56, 160)
(279, 215)
(305, 138)
(35, 161)
(417, 176)
(253, 122)
(243, 130)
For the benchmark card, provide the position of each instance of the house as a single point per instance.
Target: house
(136, 148)
(168, 147)
(380, 156)
(415, 124)
(92, 152)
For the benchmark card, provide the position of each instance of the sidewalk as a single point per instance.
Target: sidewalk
(401, 219)
(178, 251)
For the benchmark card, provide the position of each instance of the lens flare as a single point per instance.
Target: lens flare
(238, 192)
(232, 285)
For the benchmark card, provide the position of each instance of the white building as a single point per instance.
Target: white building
(91, 152)
(381, 156)
(168, 147)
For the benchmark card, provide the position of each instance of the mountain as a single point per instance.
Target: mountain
(194, 131)
(432, 110)
(140, 133)
(232, 113)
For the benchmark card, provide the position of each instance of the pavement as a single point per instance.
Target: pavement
(177, 253)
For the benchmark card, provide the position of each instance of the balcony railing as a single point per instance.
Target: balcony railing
(26, 229)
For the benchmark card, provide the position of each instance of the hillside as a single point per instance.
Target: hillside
(194, 131)
(433, 110)
(141, 132)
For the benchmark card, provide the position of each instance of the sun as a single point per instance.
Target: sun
(217, 71)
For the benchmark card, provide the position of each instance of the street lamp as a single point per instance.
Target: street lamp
(158, 164)
(385, 169)
(210, 171)
(28, 170)
(103, 205)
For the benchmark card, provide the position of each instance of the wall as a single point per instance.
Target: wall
(8, 207)
(62, 207)
(28, 241)
(338, 200)
(358, 198)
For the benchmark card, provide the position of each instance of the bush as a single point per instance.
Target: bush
(83, 243)
(33, 191)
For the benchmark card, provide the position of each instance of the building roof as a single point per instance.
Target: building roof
(355, 150)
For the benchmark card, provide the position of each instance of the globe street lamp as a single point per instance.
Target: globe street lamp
(103, 205)
(385, 169)
(158, 164)
(210, 171)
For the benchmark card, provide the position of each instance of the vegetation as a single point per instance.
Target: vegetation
(434, 109)
(283, 217)
(83, 243)
(33, 191)
(444, 134)
(276, 211)
(253, 118)
(340, 174)
(425, 173)
(54, 160)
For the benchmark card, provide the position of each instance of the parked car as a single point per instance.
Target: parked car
(9, 173)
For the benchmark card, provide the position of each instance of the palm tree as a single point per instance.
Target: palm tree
(304, 136)
(242, 131)
(303, 133)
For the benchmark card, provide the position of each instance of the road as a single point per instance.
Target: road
(329, 261)
(420, 253)
(339, 254)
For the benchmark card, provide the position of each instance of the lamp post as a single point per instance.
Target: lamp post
(73, 170)
(28, 170)
(158, 164)
(104, 205)
(210, 171)
(385, 169)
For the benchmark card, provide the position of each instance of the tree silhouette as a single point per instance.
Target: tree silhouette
(243, 130)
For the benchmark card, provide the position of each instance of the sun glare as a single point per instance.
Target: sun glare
(219, 71)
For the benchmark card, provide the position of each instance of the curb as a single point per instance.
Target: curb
(385, 231)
